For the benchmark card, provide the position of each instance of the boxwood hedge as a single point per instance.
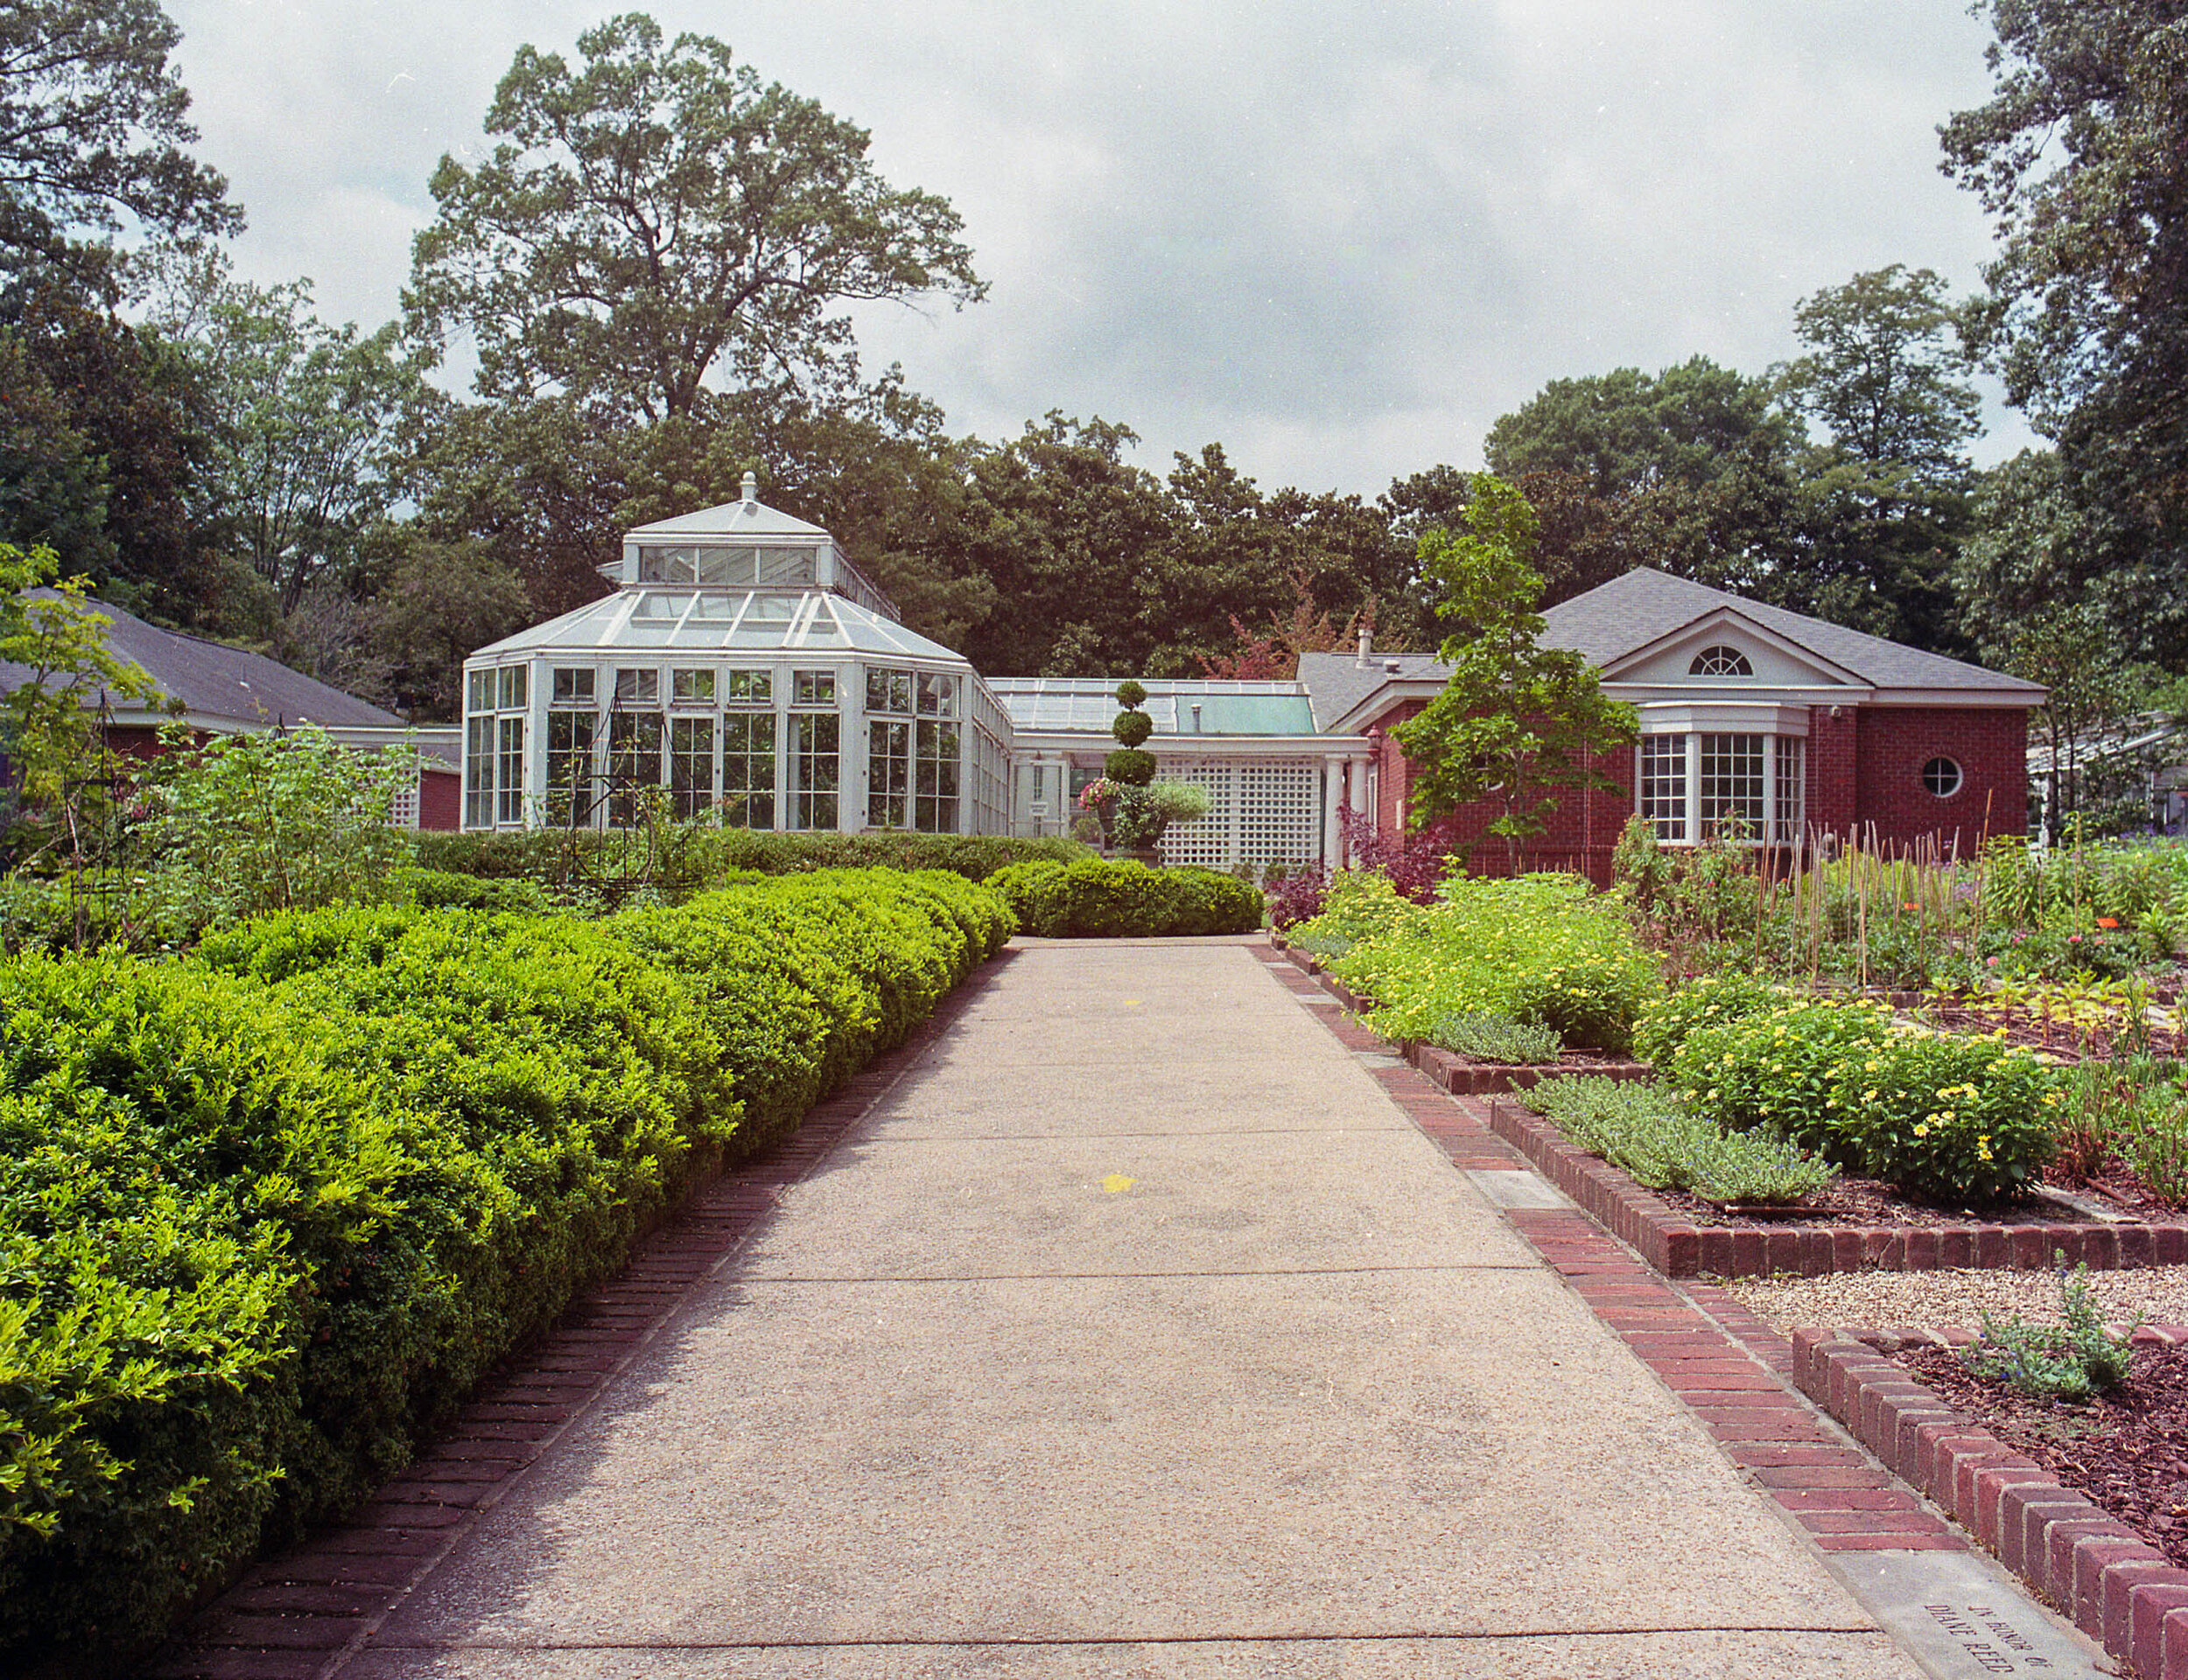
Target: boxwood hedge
(1098, 898)
(268, 1212)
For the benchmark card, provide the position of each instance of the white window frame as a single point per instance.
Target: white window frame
(1777, 827)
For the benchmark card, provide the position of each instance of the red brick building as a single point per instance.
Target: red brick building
(1796, 728)
(215, 689)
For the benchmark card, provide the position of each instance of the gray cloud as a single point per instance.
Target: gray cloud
(1340, 238)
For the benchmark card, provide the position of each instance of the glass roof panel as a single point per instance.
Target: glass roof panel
(700, 620)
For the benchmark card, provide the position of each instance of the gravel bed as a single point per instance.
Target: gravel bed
(1946, 1300)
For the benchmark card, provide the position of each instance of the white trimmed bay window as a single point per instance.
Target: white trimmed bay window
(1695, 783)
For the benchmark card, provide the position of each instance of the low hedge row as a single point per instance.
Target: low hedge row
(267, 1213)
(687, 858)
(1099, 899)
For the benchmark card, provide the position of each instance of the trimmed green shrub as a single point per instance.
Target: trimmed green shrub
(1103, 898)
(1130, 765)
(1037, 896)
(437, 889)
(1709, 1000)
(1645, 1132)
(268, 1212)
(1951, 1119)
(701, 856)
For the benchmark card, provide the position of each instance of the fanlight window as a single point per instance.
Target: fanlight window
(1721, 661)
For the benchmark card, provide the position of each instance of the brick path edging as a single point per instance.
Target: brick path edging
(1730, 1370)
(2114, 1586)
(1678, 1247)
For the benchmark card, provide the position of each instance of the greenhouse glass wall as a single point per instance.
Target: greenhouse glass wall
(744, 670)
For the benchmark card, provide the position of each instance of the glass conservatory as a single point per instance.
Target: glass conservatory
(742, 669)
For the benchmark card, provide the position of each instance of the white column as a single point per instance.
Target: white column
(1332, 795)
(1360, 808)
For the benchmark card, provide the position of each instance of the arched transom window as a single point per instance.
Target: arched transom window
(1721, 661)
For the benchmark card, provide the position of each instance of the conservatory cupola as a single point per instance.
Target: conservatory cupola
(743, 671)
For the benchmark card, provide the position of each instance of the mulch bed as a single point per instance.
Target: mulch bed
(1866, 1201)
(1849, 1200)
(2126, 1451)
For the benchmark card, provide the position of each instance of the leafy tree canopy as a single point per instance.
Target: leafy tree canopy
(1880, 373)
(93, 132)
(2081, 156)
(1628, 430)
(658, 213)
(1516, 722)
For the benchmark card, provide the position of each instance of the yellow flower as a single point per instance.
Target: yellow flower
(1922, 1130)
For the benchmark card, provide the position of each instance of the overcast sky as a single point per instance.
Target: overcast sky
(1339, 238)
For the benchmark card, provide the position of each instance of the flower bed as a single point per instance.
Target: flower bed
(2115, 1581)
(1744, 1246)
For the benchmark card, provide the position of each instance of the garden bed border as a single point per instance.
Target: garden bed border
(1455, 1073)
(1679, 1248)
(2097, 1572)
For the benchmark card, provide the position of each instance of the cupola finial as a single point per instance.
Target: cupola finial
(752, 488)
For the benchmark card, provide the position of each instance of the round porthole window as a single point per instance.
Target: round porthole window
(1942, 777)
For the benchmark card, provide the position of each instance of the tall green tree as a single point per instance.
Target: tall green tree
(1516, 724)
(307, 420)
(656, 214)
(1883, 372)
(95, 135)
(2081, 158)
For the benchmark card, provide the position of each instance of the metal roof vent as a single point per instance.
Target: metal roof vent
(1394, 667)
(1196, 717)
(1367, 647)
(752, 488)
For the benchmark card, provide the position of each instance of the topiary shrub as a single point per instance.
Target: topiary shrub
(1131, 728)
(1129, 768)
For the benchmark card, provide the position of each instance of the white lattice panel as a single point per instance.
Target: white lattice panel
(1208, 842)
(1258, 813)
(1279, 813)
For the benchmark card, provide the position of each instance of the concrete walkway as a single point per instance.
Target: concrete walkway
(1135, 1332)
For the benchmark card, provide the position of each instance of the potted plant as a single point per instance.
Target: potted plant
(1133, 807)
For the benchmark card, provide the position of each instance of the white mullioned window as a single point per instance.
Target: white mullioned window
(494, 698)
(1691, 785)
(1660, 789)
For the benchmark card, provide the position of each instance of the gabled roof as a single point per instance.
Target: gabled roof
(732, 519)
(217, 682)
(679, 618)
(1338, 684)
(1645, 607)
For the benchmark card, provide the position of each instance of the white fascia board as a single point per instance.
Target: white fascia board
(1029, 741)
(1774, 694)
(2024, 699)
(1836, 674)
(1723, 718)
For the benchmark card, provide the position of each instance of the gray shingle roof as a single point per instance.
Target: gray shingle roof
(1615, 618)
(1337, 683)
(1644, 607)
(215, 682)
